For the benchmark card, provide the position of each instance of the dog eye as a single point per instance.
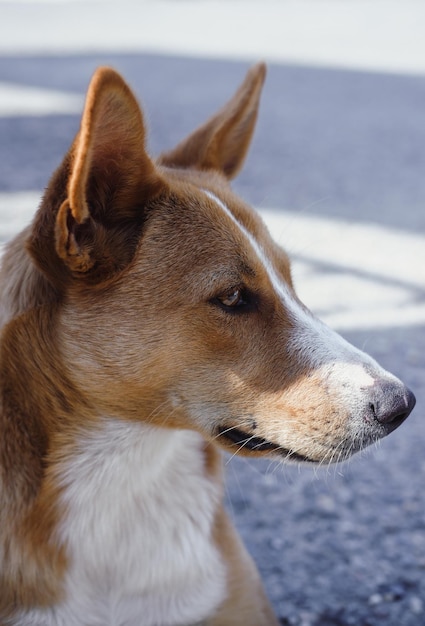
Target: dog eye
(233, 299)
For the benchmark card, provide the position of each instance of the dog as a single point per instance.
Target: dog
(149, 321)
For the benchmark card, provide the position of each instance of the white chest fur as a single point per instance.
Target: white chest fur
(140, 509)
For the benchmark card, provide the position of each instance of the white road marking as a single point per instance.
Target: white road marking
(17, 100)
(352, 275)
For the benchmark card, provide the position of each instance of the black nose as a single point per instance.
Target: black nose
(391, 403)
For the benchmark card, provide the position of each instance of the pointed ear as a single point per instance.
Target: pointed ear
(222, 142)
(111, 177)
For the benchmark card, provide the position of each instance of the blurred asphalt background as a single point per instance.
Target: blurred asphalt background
(337, 168)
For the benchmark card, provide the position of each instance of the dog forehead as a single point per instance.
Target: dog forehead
(217, 211)
(189, 221)
(204, 194)
(209, 240)
(253, 234)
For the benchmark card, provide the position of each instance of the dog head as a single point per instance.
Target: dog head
(176, 307)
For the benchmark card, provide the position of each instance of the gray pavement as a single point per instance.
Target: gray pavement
(339, 545)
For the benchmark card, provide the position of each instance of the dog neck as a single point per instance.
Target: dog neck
(156, 503)
(66, 457)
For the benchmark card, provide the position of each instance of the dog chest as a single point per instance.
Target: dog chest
(139, 515)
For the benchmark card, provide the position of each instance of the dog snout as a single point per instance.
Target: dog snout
(390, 404)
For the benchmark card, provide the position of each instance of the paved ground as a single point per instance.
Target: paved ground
(337, 169)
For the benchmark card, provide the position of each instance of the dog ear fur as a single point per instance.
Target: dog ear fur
(222, 142)
(107, 179)
(111, 177)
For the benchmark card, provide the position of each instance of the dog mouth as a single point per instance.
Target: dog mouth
(245, 442)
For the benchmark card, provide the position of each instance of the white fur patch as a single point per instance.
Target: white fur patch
(139, 514)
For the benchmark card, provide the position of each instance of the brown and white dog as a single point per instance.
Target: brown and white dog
(148, 321)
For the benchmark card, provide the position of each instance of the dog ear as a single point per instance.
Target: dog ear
(110, 179)
(222, 142)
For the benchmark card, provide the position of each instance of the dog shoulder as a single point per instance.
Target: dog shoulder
(22, 285)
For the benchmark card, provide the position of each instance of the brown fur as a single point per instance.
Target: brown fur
(112, 306)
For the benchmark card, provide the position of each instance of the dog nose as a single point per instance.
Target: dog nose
(391, 404)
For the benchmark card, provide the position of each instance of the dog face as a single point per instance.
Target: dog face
(176, 307)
